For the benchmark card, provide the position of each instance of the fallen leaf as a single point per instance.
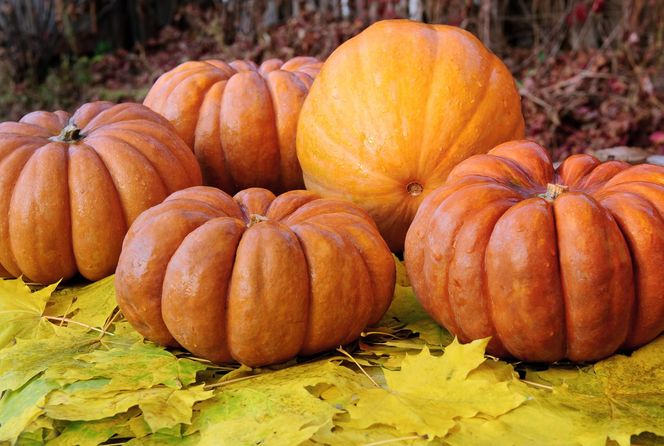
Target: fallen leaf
(429, 394)
(21, 311)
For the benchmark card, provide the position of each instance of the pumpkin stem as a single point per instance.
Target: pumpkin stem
(256, 218)
(69, 134)
(414, 188)
(553, 191)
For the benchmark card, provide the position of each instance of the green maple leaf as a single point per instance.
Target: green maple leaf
(283, 407)
(614, 399)
(20, 407)
(21, 312)
(89, 305)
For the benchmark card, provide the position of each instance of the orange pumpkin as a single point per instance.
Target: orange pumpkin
(240, 119)
(255, 279)
(551, 264)
(70, 186)
(394, 109)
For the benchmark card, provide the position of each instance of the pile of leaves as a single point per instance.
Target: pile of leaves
(586, 101)
(72, 371)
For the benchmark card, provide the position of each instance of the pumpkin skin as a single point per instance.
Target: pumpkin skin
(70, 186)
(254, 278)
(240, 119)
(394, 109)
(494, 252)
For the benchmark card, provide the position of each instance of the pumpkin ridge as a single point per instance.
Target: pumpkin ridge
(108, 242)
(204, 96)
(51, 157)
(428, 264)
(334, 242)
(115, 187)
(28, 153)
(307, 314)
(106, 153)
(158, 154)
(129, 145)
(192, 108)
(529, 185)
(646, 205)
(572, 329)
(166, 83)
(173, 146)
(273, 105)
(110, 114)
(351, 240)
(444, 155)
(496, 338)
(497, 344)
(22, 129)
(211, 154)
(453, 198)
(222, 143)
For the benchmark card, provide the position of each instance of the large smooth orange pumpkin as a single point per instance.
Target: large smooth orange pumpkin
(255, 279)
(551, 264)
(394, 109)
(240, 119)
(70, 186)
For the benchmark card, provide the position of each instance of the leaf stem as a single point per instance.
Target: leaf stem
(392, 440)
(230, 381)
(534, 384)
(348, 355)
(71, 321)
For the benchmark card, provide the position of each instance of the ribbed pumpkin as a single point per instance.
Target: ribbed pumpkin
(255, 279)
(240, 119)
(551, 264)
(394, 109)
(70, 186)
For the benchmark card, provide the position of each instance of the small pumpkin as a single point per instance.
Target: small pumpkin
(240, 119)
(254, 278)
(70, 186)
(551, 264)
(394, 109)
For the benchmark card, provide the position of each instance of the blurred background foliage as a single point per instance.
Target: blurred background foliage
(591, 72)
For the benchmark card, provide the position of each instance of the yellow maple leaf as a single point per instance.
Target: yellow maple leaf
(429, 394)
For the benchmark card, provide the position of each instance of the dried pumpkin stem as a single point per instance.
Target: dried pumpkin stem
(553, 191)
(256, 218)
(71, 133)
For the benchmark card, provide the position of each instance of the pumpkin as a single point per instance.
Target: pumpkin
(394, 109)
(70, 186)
(239, 118)
(254, 278)
(551, 264)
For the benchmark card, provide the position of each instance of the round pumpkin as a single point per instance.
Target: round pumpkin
(70, 186)
(394, 109)
(239, 118)
(551, 264)
(254, 278)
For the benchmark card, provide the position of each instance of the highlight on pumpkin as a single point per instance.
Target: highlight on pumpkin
(394, 109)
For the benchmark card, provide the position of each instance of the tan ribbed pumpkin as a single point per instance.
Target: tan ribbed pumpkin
(552, 264)
(240, 119)
(254, 279)
(70, 186)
